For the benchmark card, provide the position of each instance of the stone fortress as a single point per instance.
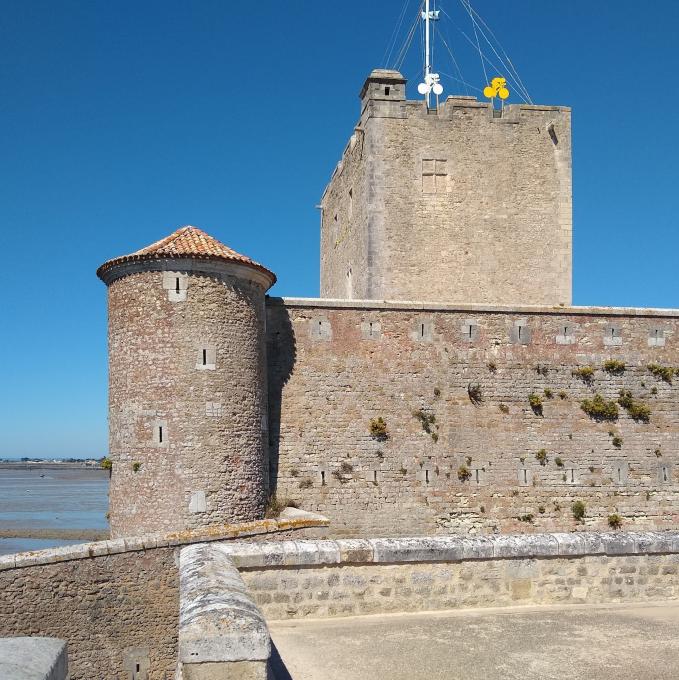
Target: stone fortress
(442, 384)
(453, 432)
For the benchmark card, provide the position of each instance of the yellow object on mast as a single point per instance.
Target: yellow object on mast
(497, 88)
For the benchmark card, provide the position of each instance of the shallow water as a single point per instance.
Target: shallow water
(48, 498)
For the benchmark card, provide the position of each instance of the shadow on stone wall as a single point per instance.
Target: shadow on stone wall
(281, 352)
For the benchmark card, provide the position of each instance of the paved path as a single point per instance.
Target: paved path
(610, 642)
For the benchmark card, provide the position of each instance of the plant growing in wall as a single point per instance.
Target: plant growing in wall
(599, 409)
(637, 410)
(548, 393)
(464, 473)
(492, 366)
(306, 483)
(535, 402)
(614, 521)
(503, 408)
(136, 467)
(276, 505)
(528, 518)
(378, 429)
(343, 474)
(585, 373)
(428, 422)
(579, 509)
(106, 464)
(558, 461)
(617, 441)
(437, 393)
(614, 367)
(563, 395)
(475, 393)
(665, 373)
(541, 456)
(541, 370)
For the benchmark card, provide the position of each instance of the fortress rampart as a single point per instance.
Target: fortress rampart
(462, 451)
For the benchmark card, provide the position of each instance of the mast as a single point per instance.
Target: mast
(427, 56)
(431, 80)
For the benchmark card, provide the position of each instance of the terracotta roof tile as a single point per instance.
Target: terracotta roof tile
(186, 242)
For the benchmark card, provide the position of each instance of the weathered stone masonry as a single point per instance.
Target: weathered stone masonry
(336, 365)
(187, 386)
(463, 204)
(116, 602)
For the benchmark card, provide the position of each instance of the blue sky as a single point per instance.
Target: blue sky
(121, 121)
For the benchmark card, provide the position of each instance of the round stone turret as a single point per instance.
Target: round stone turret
(187, 385)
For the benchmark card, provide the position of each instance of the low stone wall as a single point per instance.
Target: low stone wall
(116, 602)
(222, 633)
(349, 577)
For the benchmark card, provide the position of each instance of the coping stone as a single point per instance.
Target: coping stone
(7, 562)
(33, 658)
(355, 550)
(218, 619)
(654, 542)
(424, 549)
(530, 545)
(620, 543)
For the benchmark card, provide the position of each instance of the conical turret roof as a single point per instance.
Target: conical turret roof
(186, 242)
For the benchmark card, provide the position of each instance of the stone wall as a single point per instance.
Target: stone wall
(336, 365)
(115, 611)
(345, 578)
(459, 205)
(116, 602)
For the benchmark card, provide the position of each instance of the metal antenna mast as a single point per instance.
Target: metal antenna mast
(431, 80)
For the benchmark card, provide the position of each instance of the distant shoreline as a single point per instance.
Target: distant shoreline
(24, 465)
(60, 534)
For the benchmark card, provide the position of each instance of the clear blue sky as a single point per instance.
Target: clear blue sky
(121, 121)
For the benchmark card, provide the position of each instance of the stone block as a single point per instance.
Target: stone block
(425, 549)
(33, 658)
(355, 551)
(619, 543)
(218, 619)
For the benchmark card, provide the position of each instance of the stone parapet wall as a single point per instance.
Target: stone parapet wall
(452, 464)
(116, 602)
(222, 633)
(350, 577)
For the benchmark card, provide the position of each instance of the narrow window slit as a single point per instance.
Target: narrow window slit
(375, 476)
(160, 434)
(204, 357)
(322, 477)
(176, 285)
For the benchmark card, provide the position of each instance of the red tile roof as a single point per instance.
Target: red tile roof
(186, 242)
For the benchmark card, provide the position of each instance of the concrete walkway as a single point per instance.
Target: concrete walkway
(622, 642)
